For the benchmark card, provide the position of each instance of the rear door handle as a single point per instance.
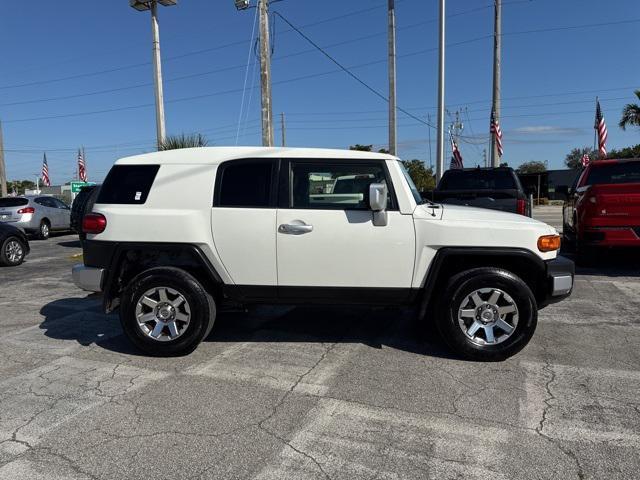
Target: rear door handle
(298, 228)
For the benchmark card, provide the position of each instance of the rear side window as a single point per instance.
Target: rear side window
(478, 180)
(128, 184)
(8, 202)
(627, 172)
(245, 184)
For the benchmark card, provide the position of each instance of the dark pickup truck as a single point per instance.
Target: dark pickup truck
(493, 188)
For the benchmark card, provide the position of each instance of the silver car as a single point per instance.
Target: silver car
(35, 214)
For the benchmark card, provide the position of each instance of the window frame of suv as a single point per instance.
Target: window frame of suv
(286, 177)
(273, 191)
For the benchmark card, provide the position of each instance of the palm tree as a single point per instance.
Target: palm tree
(631, 114)
(174, 142)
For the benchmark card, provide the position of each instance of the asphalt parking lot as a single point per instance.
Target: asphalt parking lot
(306, 393)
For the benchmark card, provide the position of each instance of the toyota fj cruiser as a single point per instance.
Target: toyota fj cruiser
(175, 234)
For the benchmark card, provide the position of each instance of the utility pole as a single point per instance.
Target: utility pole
(282, 127)
(440, 148)
(265, 74)
(152, 5)
(3, 168)
(497, 49)
(429, 129)
(393, 112)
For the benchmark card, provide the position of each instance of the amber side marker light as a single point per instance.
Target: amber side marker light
(549, 243)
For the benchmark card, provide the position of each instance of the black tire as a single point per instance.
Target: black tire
(200, 303)
(44, 230)
(455, 297)
(5, 258)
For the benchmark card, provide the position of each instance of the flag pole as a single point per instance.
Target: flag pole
(595, 132)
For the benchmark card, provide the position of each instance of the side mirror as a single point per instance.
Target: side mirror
(378, 197)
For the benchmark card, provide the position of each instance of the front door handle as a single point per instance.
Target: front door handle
(297, 228)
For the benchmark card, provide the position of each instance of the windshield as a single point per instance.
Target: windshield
(627, 172)
(477, 180)
(412, 186)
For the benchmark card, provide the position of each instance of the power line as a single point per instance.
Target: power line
(348, 72)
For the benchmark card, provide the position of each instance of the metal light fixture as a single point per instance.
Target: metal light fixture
(142, 5)
(242, 4)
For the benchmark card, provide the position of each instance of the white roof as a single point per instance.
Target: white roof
(215, 155)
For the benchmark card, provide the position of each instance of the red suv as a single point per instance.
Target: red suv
(603, 207)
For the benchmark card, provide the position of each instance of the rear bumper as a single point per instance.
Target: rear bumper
(611, 236)
(88, 278)
(560, 279)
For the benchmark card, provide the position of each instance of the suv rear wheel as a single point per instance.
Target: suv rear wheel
(165, 311)
(44, 230)
(487, 314)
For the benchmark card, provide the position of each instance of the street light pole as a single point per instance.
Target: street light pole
(497, 57)
(3, 169)
(157, 68)
(393, 129)
(152, 5)
(265, 74)
(440, 148)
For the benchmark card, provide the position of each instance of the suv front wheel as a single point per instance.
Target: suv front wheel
(166, 312)
(487, 314)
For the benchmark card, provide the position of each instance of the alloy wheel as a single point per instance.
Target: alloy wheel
(163, 314)
(13, 251)
(488, 316)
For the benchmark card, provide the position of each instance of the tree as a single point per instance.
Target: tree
(20, 186)
(174, 142)
(361, 148)
(504, 164)
(422, 176)
(384, 150)
(532, 167)
(631, 114)
(628, 152)
(573, 159)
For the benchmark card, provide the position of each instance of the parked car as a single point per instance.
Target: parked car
(167, 254)
(35, 214)
(82, 205)
(603, 207)
(14, 245)
(493, 188)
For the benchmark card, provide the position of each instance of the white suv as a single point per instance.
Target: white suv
(175, 234)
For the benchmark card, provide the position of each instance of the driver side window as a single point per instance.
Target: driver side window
(340, 186)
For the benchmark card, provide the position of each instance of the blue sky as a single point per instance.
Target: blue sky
(550, 78)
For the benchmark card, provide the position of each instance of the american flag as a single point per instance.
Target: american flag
(82, 167)
(456, 156)
(585, 160)
(497, 132)
(601, 129)
(45, 172)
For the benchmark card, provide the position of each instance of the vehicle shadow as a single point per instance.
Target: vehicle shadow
(71, 244)
(81, 320)
(608, 263)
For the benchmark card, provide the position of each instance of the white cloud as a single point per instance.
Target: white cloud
(546, 130)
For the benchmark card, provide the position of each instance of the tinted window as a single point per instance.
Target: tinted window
(245, 184)
(60, 204)
(341, 186)
(626, 172)
(12, 202)
(128, 184)
(46, 202)
(477, 180)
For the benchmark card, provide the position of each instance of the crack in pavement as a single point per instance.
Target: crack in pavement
(284, 397)
(539, 429)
